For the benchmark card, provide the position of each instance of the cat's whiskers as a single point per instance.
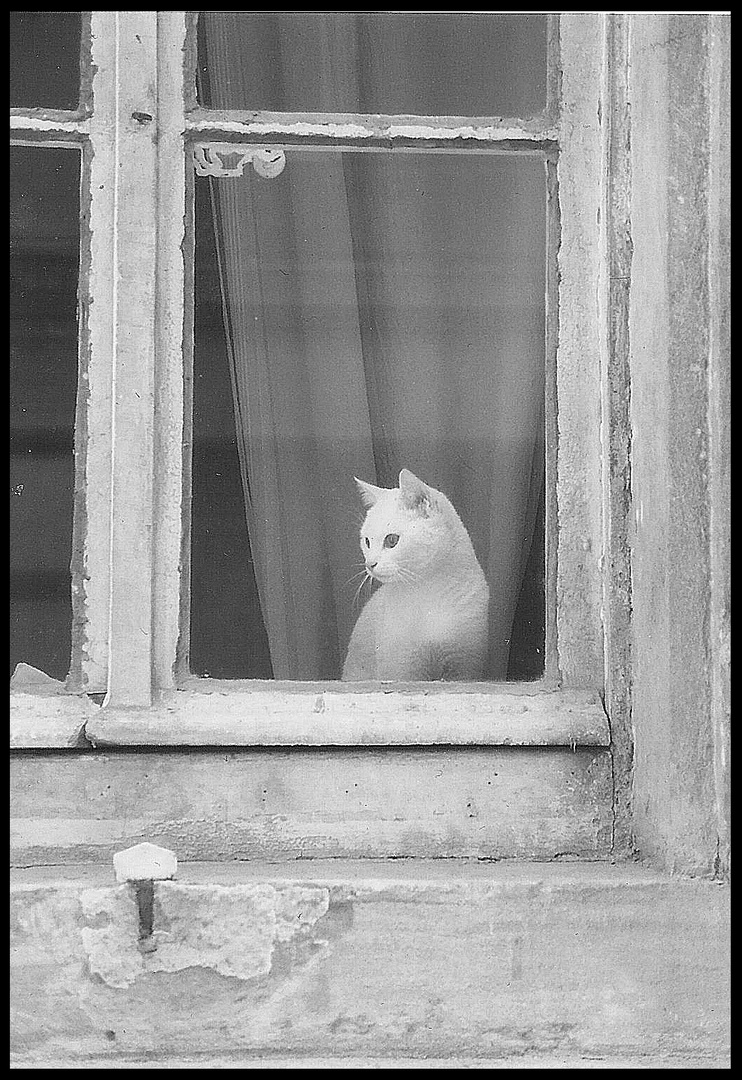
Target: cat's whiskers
(361, 573)
(366, 577)
(407, 576)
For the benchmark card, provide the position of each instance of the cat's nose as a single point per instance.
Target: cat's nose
(370, 565)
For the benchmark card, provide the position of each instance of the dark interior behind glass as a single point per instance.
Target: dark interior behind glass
(44, 242)
(45, 59)
(427, 63)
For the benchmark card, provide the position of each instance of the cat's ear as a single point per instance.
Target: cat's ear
(415, 495)
(369, 492)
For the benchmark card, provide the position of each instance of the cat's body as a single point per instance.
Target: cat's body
(429, 618)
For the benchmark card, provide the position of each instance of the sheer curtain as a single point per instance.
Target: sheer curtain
(384, 311)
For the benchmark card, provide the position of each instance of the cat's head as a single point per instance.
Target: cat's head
(406, 534)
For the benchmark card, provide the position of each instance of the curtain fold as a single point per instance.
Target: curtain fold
(384, 311)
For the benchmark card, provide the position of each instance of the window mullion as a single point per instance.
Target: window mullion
(579, 587)
(133, 239)
(93, 429)
(169, 561)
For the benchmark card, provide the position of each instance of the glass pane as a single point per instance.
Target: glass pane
(425, 63)
(45, 59)
(383, 312)
(44, 231)
(227, 633)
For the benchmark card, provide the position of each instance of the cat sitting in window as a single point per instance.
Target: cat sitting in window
(429, 618)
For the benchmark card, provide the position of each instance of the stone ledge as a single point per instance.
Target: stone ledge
(529, 1061)
(583, 965)
(49, 722)
(371, 877)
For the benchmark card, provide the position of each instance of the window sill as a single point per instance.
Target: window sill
(214, 713)
(49, 722)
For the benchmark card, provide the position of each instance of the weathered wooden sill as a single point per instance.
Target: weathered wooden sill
(213, 713)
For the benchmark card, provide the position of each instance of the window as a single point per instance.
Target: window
(159, 372)
(371, 329)
(381, 310)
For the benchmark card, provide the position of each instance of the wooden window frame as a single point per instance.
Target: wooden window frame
(136, 130)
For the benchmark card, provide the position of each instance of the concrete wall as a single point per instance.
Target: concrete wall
(521, 965)
(678, 329)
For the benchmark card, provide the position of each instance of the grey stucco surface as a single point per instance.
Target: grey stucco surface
(349, 959)
(675, 718)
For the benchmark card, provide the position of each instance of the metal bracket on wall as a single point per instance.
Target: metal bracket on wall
(229, 159)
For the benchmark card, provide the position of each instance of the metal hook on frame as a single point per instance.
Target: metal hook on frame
(209, 159)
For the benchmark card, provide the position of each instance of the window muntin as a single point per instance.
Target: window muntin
(421, 63)
(385, 312)
(45, 242)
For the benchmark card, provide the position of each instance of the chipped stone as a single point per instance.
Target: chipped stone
(233, 930)
(145, 862)
(44, 925)
(230, 929)
(298, 907)
(110, 936)
(43, 713)
(31, 680)
(48, 718)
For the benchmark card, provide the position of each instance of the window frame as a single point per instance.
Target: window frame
(136, 130)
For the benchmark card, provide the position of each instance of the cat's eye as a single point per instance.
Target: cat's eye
(391, 540)
(368, 542)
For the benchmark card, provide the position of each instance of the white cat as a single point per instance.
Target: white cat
(429, 618)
